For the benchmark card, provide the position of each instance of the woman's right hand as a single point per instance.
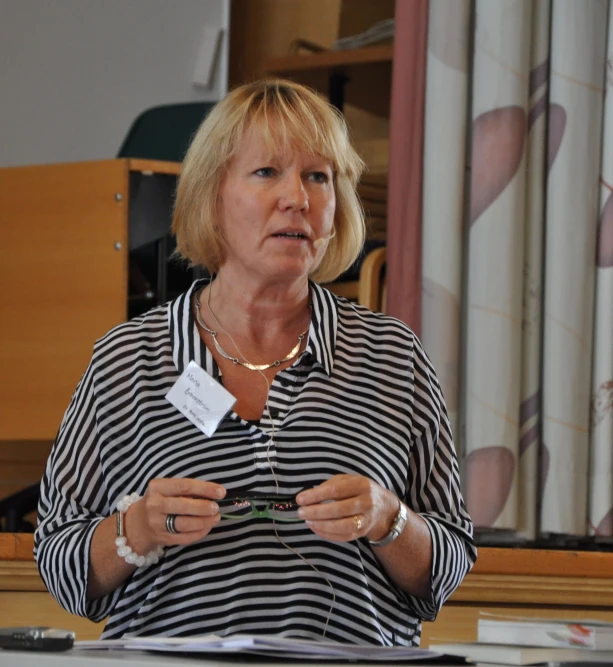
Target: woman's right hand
(192, 500)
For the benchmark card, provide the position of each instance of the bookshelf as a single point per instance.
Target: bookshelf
(365, 74)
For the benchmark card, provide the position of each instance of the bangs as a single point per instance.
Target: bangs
(287, 122)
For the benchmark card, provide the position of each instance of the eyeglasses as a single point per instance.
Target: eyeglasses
(260, 506)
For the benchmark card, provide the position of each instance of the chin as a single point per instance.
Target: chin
(290, 271)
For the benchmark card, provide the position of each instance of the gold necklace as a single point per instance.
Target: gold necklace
(236, 360)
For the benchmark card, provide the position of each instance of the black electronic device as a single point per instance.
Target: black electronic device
(31, 638)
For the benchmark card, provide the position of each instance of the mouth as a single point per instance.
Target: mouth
(291, 235)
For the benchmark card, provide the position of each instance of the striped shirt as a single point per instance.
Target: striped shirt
(361, 399)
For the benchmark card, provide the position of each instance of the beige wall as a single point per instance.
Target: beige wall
(74, 75)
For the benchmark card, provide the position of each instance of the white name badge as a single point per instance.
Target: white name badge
(200, 398)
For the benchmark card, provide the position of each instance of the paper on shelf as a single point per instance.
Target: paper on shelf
(265, 644)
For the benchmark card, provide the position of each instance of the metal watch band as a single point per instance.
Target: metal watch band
(396, 528)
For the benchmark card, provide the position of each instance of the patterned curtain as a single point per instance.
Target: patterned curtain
(516, 258)
(578, 34)
(445, 134)
(530, 411)
(495, 234)
(601, 469)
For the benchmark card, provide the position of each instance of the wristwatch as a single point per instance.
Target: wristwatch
(396, 528)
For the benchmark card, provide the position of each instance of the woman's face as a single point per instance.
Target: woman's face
(273, 208)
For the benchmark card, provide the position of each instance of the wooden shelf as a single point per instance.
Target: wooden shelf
(369, 71)
(544, 563)
(16, 546)
(491, 561)
(575, 584)
(154, 166)
(20, 576)
(332, 59)
(514, 589)
(500, 576)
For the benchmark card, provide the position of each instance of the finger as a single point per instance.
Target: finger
(332, 510)
(191, 524)
(335, 488)
(344, 529)
(188, 506)
(186, 487)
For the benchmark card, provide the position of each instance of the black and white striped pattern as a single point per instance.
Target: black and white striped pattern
(362, 399)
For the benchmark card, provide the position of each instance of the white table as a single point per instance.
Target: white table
(102, 658)
(130, 658)
(110, 658)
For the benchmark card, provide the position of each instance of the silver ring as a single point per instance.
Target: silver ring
(358, 522)
(170, 523)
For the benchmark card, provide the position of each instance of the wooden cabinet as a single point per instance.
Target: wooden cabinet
(66, 232)
(561, 584)
(24, 600)
(64, 277)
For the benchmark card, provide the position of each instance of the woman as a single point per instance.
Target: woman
(333, 403)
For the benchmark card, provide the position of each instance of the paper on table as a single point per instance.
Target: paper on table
(265, 644)
(545, 632)
(512, 654)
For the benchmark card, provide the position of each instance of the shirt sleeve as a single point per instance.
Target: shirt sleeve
(72, 503)
(434, 489)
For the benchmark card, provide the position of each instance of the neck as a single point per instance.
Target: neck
(254, 310)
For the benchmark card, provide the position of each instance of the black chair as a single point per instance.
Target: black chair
(164, 132)
(16, 507)
(159, 133)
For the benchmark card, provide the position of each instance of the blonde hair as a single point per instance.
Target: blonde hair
(302, 121)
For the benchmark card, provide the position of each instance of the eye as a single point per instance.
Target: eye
(319, 177)
(266, 172)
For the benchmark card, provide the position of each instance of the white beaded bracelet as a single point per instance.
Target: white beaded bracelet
(123, 550)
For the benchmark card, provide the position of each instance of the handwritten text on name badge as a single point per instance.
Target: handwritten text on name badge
(200, 398)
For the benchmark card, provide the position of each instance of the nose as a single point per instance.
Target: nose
(293, 193)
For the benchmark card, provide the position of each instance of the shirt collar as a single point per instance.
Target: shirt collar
(184, 336)
(186, 342)
(324, 325)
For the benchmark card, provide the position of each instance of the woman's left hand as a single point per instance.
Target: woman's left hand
(346, 507)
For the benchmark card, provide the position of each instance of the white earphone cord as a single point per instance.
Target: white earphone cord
(270, 442)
